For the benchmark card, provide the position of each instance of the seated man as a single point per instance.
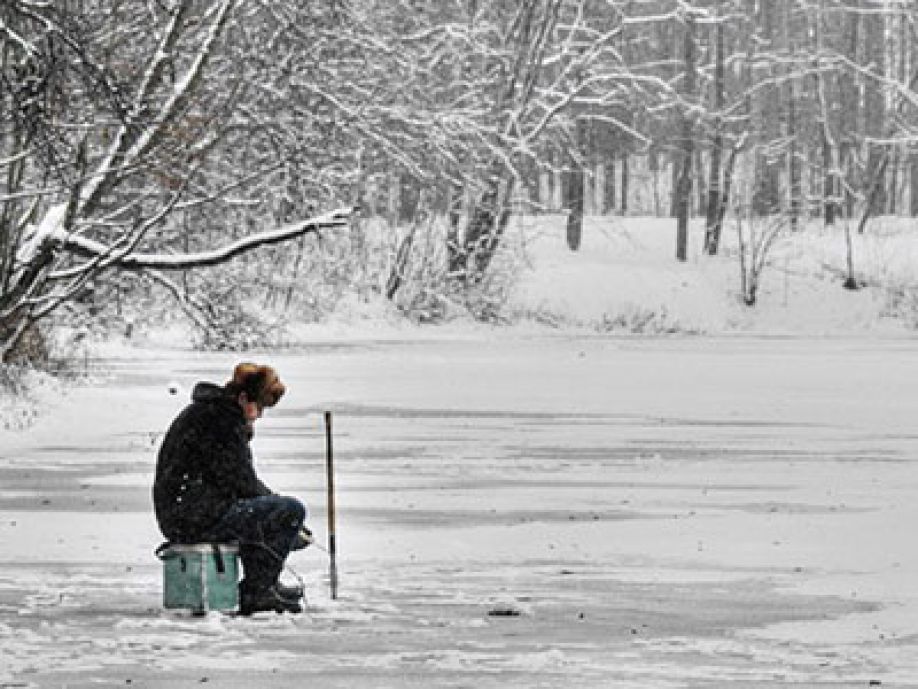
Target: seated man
(206, 488)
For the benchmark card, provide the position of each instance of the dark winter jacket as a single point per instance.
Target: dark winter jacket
(204, 466)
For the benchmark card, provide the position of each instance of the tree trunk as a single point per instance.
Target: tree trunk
(849, 198)
(409, 192)
(575, 209)
(850, 120)
(675, 173)
(913, 184)
(455, 254)
(608, 190)
(875, 192)
(392, 199)
(874, 111)
(767, 190)
(699, 183)
(400, 266)
(575, 193)
(728, 184)
(831, 149)
(793, 165)
(488, 218)
(790, 99)
(712, 226)
(892, 195)
(624, 184)
(684, 186)
(829, 204)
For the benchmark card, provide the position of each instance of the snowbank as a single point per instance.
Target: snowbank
(625, 278)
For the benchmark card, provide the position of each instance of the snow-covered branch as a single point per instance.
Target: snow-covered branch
(133, 141)
(87, 248)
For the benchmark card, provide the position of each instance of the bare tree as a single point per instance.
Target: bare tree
(100, 153)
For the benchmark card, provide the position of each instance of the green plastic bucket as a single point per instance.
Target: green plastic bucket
(200, 576)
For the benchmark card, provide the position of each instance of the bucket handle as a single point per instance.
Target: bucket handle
(215, 547)
(218, 558)
(161, 550)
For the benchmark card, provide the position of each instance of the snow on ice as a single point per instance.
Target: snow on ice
(727, 499)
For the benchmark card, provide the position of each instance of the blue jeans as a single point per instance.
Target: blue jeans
(266, 528)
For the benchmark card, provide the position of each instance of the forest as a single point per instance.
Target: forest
(221, 158)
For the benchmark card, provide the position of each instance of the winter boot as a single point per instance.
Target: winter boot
(266, 600)
(293, 592)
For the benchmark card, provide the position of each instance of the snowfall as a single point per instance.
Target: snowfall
(638, 482)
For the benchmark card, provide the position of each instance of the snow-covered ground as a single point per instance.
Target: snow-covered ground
(729, 509)
(625, 275)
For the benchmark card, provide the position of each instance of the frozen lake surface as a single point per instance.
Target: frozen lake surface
(685, 512)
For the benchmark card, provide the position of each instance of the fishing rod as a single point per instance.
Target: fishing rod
(330, 477)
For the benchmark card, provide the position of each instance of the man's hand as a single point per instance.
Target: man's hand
(303, 539)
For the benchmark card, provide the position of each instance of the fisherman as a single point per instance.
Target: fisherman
(206, 488)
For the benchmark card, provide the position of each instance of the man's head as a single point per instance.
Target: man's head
(255, 387)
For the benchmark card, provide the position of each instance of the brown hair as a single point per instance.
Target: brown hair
(259, 383)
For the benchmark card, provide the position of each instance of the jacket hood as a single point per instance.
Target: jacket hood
(208, 392)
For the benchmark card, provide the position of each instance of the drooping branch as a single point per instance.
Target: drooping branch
(87, 248)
